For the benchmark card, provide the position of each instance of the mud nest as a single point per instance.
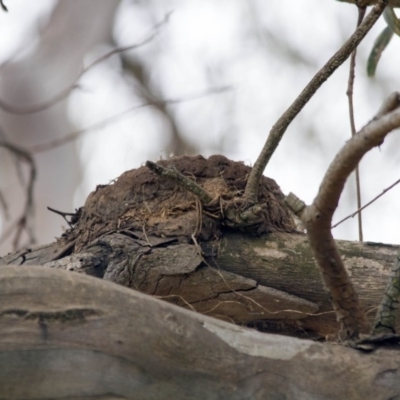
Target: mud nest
(142, 202)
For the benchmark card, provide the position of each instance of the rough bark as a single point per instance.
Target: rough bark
(66, 335)
(269, 282)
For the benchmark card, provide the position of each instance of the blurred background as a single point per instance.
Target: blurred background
(205, 77)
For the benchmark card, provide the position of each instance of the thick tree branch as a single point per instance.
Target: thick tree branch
(317, 218)
(66, 335)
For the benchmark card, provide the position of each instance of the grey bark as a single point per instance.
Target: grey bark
(269, 281)
(66, 335)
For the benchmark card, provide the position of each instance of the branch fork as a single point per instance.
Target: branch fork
(317, 219)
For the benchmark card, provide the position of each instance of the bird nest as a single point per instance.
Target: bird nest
(159, 204)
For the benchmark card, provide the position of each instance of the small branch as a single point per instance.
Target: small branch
(278, 130)
(317, 218)
(52, 144)
(350, 88)
(63, 214)
(182, 180)
(23, 221)
(3, 6)
(65, 93)
(366, 3)
(366, 205)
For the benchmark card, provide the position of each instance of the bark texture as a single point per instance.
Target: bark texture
(67, 336)
(268, 282)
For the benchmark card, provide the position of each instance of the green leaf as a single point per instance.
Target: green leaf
(392, 20)
(379, 46)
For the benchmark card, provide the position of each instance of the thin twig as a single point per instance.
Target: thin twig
(70, 137)
(350, 88)
(173, 174)
(22, 224)
(366, 205)
(63, 214)
(65, 92)
(3, 6)
(278, 130)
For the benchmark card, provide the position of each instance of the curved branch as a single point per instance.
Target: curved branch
(22, 223)
(366, 3)
(317, 218)
(3, 6)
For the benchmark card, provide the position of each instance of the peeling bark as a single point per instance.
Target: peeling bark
(270, 282)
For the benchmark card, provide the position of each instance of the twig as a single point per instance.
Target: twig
(173, 174)
(4, 206)
(366, 3)
(317, 218)
(278, 130)
(366, 205)
(23, 221)
(3, 6)
(350, 88)
(63, 214)
(65, 93)
(52, 144)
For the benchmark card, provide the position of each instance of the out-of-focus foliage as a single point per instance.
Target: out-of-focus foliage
(383, 39)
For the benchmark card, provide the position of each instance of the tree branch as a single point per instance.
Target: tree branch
(2, 5)
(366, 3)
(316, 82)
(317, 218)
(350, 90)
(69, 137)
(22, 223)
(13, 109)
